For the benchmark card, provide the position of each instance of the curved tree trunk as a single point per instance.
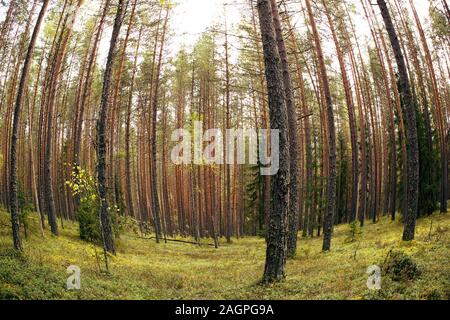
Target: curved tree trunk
(63, 43)
(442, 128)
(105, 220)
(115, 106)
(14, 205)
(331, 184)
(351, 115)
(87, 87)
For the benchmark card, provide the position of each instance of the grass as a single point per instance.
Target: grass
(143, 269)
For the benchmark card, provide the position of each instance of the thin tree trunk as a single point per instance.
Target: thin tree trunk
(153, 167)
(331, 184)
(130, 205)
(351, 115)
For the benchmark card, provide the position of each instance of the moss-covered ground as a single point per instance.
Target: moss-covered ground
(143, 269)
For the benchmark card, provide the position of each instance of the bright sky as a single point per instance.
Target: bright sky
(190, 18)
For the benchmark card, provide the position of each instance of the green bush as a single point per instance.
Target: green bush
(123, 224)
(84, 188)
(354, 232)
(26, 208)
(89, 222)
(400, 266)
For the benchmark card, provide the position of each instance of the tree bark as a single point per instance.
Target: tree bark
(153, 168)
(14, 204)
(130, 205)
(351, 115)
(331, 184)
(440, 115)
(277, 221)
(411, 130)
(294, 205)
(105, 220)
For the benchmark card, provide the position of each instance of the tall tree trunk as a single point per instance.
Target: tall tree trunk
(351, 115)
(130, 205)
(14, 203)
(105, 220)
(411, 130)
(331, 185)
(391, 192)
(63, 43)
(439, 113)
(277, 221)
(306, 206)
(153, 168)
(294, 193)
(115, 107)
(85, 91)
(228, 217)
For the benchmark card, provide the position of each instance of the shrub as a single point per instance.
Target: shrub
(25, 210)
(123, 223)
(400, 266)
(84, 189)
(354, 232)
(89, 223)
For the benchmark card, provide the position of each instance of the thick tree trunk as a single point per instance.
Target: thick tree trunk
(105, 220)
(277, 221)
(294, 193)
(411, 130)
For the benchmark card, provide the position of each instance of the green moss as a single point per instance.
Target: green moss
(144, 270)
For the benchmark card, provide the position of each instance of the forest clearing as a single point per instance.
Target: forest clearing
(224, 149)
(179, 271)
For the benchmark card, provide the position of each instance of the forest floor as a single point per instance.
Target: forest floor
(143, 269)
